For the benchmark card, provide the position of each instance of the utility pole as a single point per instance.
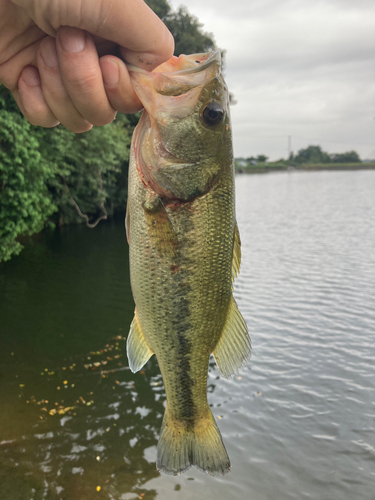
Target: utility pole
(289, 146)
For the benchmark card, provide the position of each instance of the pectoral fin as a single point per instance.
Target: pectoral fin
(160, 230)
(236, 261)
(234, 346)
(185, 181)
(136, 346)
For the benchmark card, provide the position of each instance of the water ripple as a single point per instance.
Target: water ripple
(298, 421)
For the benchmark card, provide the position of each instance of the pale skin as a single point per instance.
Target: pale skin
(57, 57)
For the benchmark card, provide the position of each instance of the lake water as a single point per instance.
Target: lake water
(298, 422)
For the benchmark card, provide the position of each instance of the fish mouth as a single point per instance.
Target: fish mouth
(175, 77)
(195, 62)
(174, 87)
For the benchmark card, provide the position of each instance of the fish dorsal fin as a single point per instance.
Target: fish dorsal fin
(236, 261)
(127, 221)
(136, 346)
(234, 346)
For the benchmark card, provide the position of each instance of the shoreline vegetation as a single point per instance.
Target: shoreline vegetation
(309, 159)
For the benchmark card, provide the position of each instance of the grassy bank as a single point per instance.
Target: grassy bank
(285, 166)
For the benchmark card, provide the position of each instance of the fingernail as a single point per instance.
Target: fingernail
(111, 72)
(149, 61)
(144, 60)
(72, 39)
(31, 76)
(49, 53)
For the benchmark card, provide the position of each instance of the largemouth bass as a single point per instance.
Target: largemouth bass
(185, 251)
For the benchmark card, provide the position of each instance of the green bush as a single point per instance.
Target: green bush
(25, 202)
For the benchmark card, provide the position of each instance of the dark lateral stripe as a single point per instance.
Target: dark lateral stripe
(182, 325)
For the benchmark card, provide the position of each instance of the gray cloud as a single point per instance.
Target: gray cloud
(299, 68)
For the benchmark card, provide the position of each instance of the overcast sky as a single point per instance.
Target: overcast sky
(298, 68)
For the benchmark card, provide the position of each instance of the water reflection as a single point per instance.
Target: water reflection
(84, 425)
(73, 420)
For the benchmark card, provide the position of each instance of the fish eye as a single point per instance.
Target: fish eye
(212, 114)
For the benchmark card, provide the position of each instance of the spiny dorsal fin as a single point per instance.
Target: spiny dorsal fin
(236, 261)
(136, 346)
(127, 221)
(234, 346)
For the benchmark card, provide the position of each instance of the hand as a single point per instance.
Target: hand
(57, 57)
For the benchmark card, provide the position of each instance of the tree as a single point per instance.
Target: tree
(89, 169)
(262, 158)
(188, 34)
(25, 202)
(161, 8)
(349, 157)
(46, 174)
(312, 154)
(185, 28)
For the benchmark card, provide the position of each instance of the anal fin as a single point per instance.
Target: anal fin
(236, 260)
(234, 346)
(136, 346)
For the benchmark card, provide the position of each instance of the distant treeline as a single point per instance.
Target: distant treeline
(52, 177)
(314, 154)
(311, 158)
(310, 155)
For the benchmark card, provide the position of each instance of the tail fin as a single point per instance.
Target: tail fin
(181, 446)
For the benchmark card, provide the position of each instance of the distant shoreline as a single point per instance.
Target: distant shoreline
(258, 169)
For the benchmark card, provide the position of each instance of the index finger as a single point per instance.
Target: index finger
(144, 39)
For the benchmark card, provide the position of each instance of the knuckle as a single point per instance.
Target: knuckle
(79, 83)
(54, 93)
